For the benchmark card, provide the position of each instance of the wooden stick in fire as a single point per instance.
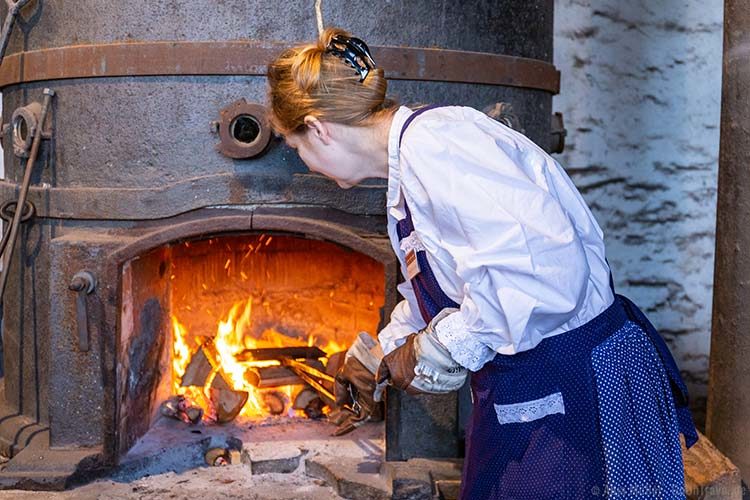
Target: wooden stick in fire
(312, 377)
(292, 352)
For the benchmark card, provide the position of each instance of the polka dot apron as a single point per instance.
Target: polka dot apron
(591, 413)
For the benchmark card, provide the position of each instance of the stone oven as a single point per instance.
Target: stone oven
(164, 209)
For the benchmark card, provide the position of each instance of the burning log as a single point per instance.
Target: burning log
(270, 353)
(197, 370)
(310, 403)
(314, 409)
(227, 402)
(275, 402)
(276, 376)
(201, 365)
(314, 377)
(179, 408)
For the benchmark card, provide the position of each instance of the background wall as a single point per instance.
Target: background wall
(641, 93)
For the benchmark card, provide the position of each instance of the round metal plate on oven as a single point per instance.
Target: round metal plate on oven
(24, 123)
(243, 129)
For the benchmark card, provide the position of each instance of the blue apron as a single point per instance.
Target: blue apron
(594, 412)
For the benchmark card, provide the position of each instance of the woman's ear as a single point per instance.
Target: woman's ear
(318, 129)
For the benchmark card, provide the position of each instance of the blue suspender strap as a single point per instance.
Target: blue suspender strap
(411, 119)
(430, 297)
(405, 226)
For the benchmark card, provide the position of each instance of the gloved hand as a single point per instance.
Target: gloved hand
(355, 386)
(422, 363)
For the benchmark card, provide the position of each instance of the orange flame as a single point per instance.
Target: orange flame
(182, 352)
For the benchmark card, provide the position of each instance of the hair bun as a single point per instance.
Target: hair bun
(305, 80)
(324, 40)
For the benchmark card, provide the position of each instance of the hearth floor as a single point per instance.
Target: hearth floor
(273, 458)
(206, 483)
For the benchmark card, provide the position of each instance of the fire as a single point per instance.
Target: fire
(182, 352)
(236, 293)
(232, 338)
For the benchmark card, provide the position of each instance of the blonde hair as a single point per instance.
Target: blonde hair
(306, 80)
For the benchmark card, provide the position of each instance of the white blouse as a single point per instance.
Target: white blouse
(505, 231)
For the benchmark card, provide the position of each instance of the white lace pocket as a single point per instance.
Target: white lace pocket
(530, 410)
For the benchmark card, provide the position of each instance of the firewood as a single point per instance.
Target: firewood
(197, 371)
(277, 376)
(228, 403)
(177, 407)
(314, 409)
(310, 403)
(294, 352)
(252, 377)
(303, 398)
(216, 457)
(212, 354)
(202, 364)
(194, 414)
(220, 383)
(275, 402)
(173, 406)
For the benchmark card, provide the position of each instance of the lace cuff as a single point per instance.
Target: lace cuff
(464, 348)
(530, 410)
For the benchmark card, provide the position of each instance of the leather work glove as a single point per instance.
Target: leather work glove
(355, 387)
(422, 364)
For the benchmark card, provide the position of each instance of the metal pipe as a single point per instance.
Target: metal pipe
(728, 417)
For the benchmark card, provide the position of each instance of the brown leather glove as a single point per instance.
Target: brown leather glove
(422, 364)
(398, 366)
(355, 387)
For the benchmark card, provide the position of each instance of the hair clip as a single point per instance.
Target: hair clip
(354, 52)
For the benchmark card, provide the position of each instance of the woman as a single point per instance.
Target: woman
(574, 393)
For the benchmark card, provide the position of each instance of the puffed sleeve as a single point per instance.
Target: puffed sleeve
(482, 209)
(405, 319)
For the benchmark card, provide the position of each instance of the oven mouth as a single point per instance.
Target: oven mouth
(200, 316)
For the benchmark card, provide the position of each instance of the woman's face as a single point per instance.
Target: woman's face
(326, 153)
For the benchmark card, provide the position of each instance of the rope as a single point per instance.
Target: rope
(319, 15)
